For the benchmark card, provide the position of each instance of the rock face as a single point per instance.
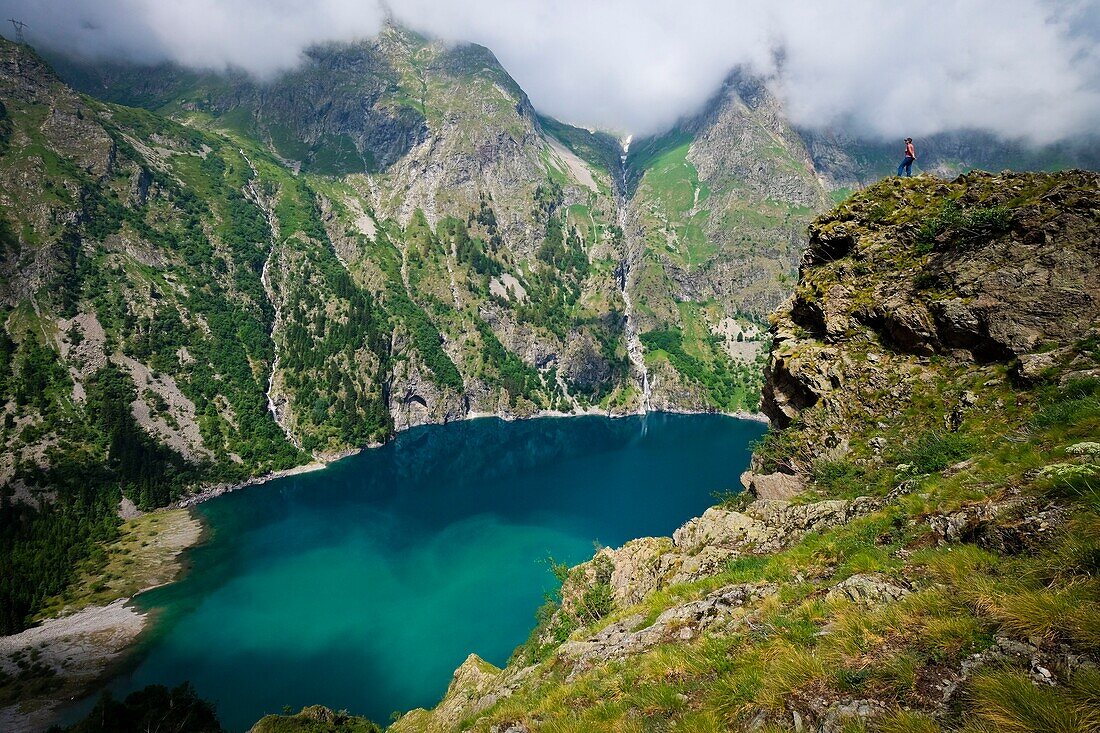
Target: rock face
(1034, 280)
(721, 612)
(868, 589)
(704, 545)
(476, 685)
(314, 717)
(621, 285)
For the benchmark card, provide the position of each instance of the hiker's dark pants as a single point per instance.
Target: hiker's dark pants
(906, 164)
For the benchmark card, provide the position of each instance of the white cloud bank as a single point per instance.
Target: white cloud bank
(1027, 69)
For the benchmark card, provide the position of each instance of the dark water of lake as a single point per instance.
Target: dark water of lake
(363, 586)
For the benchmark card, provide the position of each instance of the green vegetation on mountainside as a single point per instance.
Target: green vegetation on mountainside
(671, 186)
(597, 148)
(168, 290)
(162, 274)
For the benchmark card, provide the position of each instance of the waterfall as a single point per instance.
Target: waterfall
(633, 343)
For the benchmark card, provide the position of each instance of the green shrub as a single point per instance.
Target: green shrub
(832, 475)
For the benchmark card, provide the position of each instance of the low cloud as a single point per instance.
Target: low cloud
(1022, 69)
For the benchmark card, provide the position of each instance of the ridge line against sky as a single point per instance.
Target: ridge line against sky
(1021, 69)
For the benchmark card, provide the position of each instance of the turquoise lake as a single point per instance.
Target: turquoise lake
(363, 586)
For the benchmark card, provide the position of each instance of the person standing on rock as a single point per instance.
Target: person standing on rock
(910, 156)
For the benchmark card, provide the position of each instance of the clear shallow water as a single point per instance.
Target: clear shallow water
(364, 585)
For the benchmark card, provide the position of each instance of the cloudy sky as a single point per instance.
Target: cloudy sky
(1026, 69)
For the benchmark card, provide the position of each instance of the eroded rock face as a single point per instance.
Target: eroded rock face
(704, 545)
(1008, 527)
(475, 686)
(722, 610)
(996, 294)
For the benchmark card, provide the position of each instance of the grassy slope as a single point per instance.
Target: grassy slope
(1037, 445)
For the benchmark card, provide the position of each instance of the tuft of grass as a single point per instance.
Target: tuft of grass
(965, 225)
(1078, 402)
(1070, 612)
(904, 721)
(835, 474)
(935, 451)
(1011, 703)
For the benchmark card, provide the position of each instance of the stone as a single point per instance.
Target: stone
(718, 526)
(708, 561)
(724, 609)
(637, 569)
(906, 325)
(843, 712)
(772, 485)
(867, 589)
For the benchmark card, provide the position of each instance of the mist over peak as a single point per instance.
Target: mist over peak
(1021, 69)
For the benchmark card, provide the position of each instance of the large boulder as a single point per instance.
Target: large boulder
(867, 588)
(772, 485)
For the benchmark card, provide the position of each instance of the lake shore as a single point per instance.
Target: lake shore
(68, 654)
(322, 461)
(207, 493)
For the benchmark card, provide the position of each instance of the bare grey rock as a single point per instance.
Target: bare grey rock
(867, 588)
(772, 485)
(844, 712)
(723, 609)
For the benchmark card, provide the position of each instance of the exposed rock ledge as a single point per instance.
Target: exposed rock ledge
(705, 545)
(702, 547)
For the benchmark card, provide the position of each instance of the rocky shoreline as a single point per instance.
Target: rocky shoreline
(211, 492)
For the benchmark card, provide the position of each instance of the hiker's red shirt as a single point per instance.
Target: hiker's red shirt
(909, 151)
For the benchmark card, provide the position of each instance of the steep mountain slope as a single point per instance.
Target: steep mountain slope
(715, 215)
(714, 226)
(710, 214)
(136, 321)
(516, 230)
(916, 549)
(185, 305)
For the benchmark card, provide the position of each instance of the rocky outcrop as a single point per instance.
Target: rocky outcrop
(314, 718)
(1035, 279)
(777, 485)
(866, 588)
(703, 546)
(475, 686)
(722, 611)
(1009, 526)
